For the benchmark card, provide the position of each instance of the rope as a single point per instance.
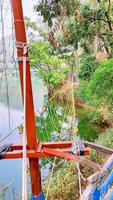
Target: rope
(10, 133)
(54, 164)
(49, 184)
(24, 164)
(74, 132)
(64, 160)
(71, 101)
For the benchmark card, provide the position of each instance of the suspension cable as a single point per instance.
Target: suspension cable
(10, 133)
(24, 167)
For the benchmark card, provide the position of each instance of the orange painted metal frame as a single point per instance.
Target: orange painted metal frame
(58, 149)
(63, 144)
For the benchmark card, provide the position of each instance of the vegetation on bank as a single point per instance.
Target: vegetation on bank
(98, 92)
(53, 68)
(104, 139)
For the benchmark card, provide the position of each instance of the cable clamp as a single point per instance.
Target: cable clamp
(21, 59)
(23, 46)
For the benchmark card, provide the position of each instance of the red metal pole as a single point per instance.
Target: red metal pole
(30, 117)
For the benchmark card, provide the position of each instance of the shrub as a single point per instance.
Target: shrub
(95, 117)
(82, 90)
(101, 85)
(104, 139)
(64, 183)
(88, 65)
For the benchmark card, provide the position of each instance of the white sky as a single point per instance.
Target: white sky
(28, 8)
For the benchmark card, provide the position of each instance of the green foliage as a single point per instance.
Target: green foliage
(30, 24)
(51, 68)
(53, 9)
(88, 126)
(98, 90)
(88, 65)
(50, 122)
(34, 27)
(87, 20)
(100, 86)
(71, 34)
(40, 52)
(64, 183)
(48, 10)
(82, 90)
(95, 117)
(104, 139)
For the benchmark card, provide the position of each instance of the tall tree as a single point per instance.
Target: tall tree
(82, 21)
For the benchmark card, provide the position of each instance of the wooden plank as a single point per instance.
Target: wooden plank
(89, 163)
(99, 148)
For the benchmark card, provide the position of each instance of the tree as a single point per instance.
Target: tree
(48, 9)
(51, 68)
(81, 22)
(32, 28)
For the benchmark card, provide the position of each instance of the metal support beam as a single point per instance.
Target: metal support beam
(46, 149)
(30, 117)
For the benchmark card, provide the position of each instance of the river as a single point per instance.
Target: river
(11, 170)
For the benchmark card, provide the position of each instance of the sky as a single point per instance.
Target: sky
(28, 8)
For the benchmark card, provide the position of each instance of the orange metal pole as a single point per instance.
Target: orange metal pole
(30, 117)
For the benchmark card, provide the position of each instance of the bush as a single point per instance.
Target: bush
(104, 139)
(88, 65)
(95, 117)
(64, 183)
(51, 68)
(81, 90)
(100, 86)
